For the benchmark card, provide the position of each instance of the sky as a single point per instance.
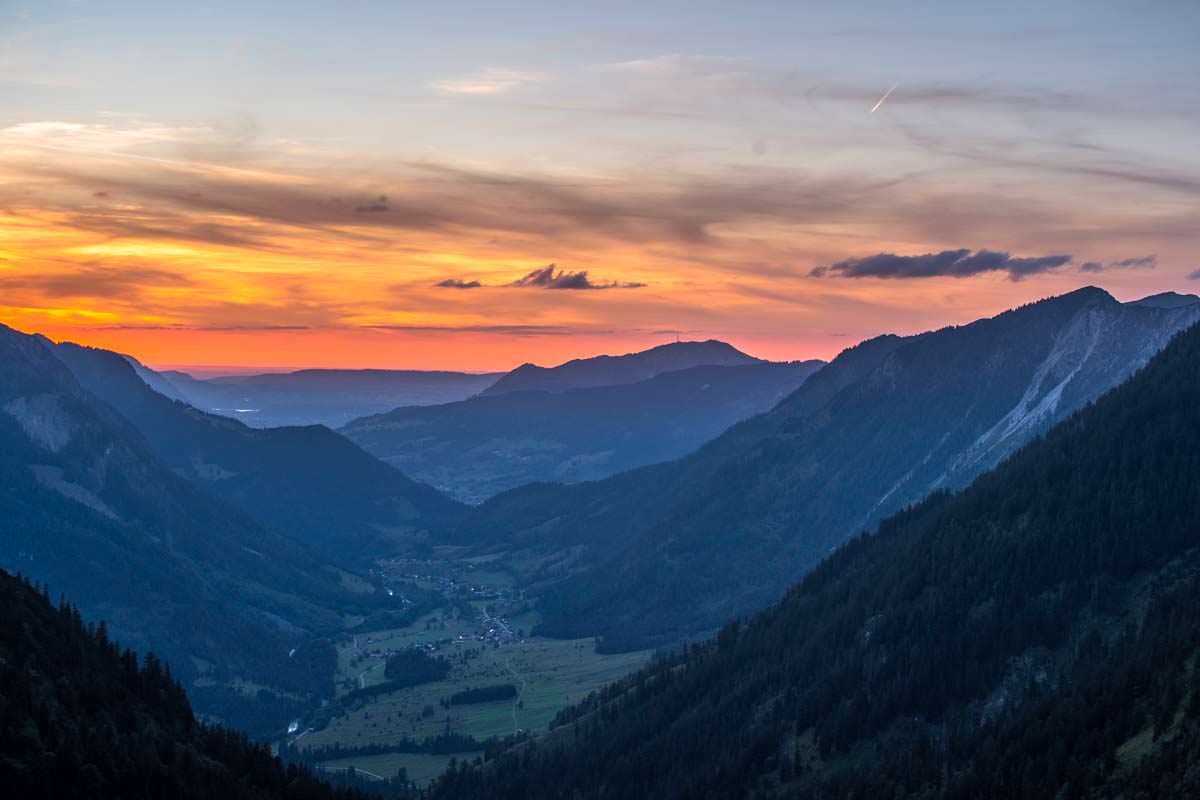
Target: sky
(477, 185)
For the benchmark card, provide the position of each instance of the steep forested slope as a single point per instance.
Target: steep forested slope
(1034, 636)
(670, 550)
(309, 483)
(80, 717)
(476, 448)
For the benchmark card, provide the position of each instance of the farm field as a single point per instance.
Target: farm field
(421, 768)
(484, 640)
(548, 674)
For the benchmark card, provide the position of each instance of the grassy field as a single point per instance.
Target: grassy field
(421, 768)
(548, 673)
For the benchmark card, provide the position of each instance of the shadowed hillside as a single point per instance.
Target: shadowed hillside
(477, 448)
(1034, 636)
(309, 483)
(674, 549)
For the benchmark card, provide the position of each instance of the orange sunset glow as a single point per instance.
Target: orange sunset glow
(669, 195)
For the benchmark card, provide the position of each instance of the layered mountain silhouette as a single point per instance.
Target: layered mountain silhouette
(90, 511)
(308, 482)
(330, 397)
(674, 549)
(583, 373)
(479, 447)
(1035, 635)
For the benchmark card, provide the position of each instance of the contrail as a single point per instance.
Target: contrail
(886, 95)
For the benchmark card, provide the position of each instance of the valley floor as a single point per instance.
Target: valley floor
(481, 627)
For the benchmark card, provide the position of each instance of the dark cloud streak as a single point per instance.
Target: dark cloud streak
(550, 277)
(960, 263)
(107, 282)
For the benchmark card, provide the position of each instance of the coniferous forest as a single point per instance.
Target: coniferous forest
(82, 717)
(1035, 635)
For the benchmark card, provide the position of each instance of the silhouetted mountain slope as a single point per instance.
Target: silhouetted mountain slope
(582, 373)
(329, 397)
(1167, 300)
(156, 381)
(724, 530)
(479, 447)
(1034, 636)
(309, 483)
(86, 508)
(79, 717)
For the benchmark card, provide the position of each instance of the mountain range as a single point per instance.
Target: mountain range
(476, 448)
(330, 397)
(986, 539)
(90, 511)
(584, 373)
(674, 549)
(305, 482)
(1035, 635)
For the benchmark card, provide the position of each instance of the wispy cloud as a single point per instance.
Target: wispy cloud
(550, 277)
(1138, 262)
(960, 263)
(489, 81)
(457, 283)
(679, 65)
(108, 282)
(547, 277)
(378, 205)
(506, 330)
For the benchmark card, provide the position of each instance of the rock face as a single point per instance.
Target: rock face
(675, 549)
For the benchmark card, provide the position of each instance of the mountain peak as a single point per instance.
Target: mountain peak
(1082, 296)
(582, 373)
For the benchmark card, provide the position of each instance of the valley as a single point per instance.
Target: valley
(599, 401)
(470, 615)
(372, 628)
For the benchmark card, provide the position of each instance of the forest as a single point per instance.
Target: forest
(81, 716)
(1035, 635)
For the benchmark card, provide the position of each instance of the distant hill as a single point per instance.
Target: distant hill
(1167, 300)
(671, 550)
(479, 447)
(1034, 636)
(80, 717)
(583, 373)
(306, 482)
(330, 397)
(86, 507)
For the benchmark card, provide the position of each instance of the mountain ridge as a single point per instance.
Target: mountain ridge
(91, 511)
(307, 482)
(881, 426)
(479, 447)
(329, 397)
(605, 370)
(1034, 635)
